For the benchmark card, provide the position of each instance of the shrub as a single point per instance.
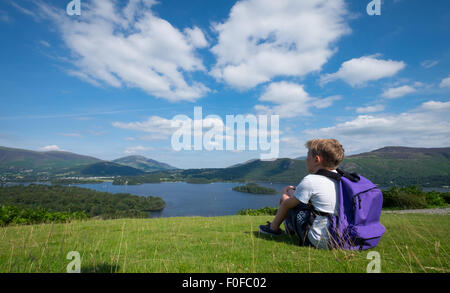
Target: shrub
(18, 216)
(258, 212)
(435, 199)
(446, 197)
(404, 198)
(414, 198)
(254, 188)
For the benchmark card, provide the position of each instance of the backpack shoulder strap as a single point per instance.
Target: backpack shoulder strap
(350, 176)
(329, 174)
(332, 175)
(337, 176)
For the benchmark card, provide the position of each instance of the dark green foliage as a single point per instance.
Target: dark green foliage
(394, 198)
(75, 199)
(259, 212)
(197, 180)
(136, 180)
(436, 199)
(15, 215)
(73, 181)
(413, 198)
(109, 169)
(254, 188)
(446, 197)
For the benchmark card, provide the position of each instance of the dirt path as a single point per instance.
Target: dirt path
(437, 211)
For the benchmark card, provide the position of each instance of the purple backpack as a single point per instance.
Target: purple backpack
(357, 227)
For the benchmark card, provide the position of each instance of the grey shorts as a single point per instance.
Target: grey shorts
(294, 223)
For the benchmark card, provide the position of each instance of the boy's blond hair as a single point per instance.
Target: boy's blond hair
(330, 150)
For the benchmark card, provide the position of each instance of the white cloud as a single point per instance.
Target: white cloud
(23, 10)
(370, 109)
(429, 63)
(445, 82)
(398, 92)
(359, 71)
(45, 44)
(425, 126)
(291, 99)
(137, 149)
(196, 37)
(155, 125)
(263, 39)
(130, 47)
(159, 128)
(52, 147)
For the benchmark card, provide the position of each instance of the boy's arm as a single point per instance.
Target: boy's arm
(287, 192)
(282, 212)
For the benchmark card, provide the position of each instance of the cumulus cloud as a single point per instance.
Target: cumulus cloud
(212, 128)
(445, 83)
(129, 46)
(410, 128)
(359, 71)
(370, 109)
(158, 126)
(291, 100)
(196, 37)
(398, 92)
(265, 38)
(52, 147)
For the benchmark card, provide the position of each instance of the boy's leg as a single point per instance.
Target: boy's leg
(286, 204)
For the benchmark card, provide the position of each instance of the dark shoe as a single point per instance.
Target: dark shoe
(265, 229)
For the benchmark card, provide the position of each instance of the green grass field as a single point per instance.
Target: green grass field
(413, 243)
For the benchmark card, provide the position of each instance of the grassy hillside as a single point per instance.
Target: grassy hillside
(16, 160)
(412, 243)
(143, 163)
(387, 167)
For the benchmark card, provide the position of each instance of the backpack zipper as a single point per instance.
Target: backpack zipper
(359, 197)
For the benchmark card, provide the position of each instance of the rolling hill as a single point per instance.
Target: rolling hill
(143, 163)
(386, 167)
(14, 160)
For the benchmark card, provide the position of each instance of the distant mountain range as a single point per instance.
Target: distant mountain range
(25, 162)
(385, 166)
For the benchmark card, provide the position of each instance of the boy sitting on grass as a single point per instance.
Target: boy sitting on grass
(320, 191)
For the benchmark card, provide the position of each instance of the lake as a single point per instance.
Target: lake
(206, 200)
(186, 199)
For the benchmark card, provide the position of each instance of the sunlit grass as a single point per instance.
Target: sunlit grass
(412, 243)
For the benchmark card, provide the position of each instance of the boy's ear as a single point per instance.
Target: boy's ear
(318, 159)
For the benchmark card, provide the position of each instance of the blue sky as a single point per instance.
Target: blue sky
(107, 83)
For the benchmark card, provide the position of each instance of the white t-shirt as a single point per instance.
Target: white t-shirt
(323, 194)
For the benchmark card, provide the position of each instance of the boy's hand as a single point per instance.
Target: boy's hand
(288, 190)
